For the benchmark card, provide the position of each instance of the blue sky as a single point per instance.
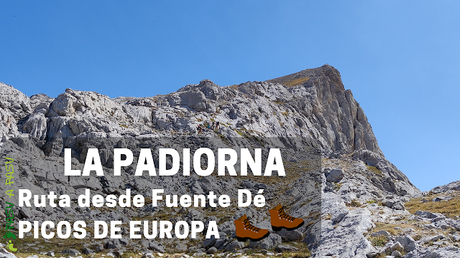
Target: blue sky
(401, 59)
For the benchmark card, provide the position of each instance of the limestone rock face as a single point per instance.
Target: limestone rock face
(14, 105)
(335, 114)
(312, 104)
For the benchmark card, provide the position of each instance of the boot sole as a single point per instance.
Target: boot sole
(279, 228)
(243, 239)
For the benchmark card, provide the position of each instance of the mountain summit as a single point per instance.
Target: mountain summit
(312, 103)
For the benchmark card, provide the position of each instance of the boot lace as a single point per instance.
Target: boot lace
(283, 215)
(248, 225)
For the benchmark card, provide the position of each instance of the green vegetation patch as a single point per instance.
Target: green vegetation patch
(450, 208)
(296, 81)
(378, 240)
(374, 170)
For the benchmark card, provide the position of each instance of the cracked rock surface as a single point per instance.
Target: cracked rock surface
(368, 207)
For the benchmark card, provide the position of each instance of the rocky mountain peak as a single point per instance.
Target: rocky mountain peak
(325, 73)
(312, 103)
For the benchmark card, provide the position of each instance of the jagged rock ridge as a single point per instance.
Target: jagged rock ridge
(318, 107)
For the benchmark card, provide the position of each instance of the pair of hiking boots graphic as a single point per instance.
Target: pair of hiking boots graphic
(279, 219)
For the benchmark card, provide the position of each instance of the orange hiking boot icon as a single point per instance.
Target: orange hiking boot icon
(244, 230)
(280, 219)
